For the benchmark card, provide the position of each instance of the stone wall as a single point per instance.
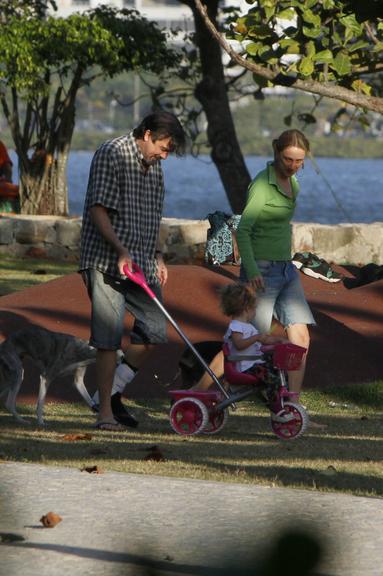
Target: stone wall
(183, 241)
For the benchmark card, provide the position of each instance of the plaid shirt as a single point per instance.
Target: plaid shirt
(134, 200)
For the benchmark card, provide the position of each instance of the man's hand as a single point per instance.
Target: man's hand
(162, 271)
(124, 259)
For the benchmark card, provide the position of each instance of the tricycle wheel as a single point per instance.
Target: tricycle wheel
(188, 416)
(294, 428)
(216, 422)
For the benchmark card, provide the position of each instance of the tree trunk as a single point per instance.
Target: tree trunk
(43, 188)
(211, 92)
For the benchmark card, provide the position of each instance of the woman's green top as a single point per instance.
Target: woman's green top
(264, 232)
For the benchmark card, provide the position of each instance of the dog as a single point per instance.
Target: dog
(54, 354)
(190, 367)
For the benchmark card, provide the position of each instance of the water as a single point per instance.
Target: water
(193, 188)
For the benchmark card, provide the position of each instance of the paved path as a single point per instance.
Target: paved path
(112, 523)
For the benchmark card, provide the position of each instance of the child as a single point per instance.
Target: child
(238, 301)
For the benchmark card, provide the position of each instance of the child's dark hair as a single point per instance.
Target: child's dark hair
(237, 298)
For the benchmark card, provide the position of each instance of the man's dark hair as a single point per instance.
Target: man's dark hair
(163, 125)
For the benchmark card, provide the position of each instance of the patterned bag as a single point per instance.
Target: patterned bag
(221, 244)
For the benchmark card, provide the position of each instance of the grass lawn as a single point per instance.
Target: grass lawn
(19, 273)
(346, 455)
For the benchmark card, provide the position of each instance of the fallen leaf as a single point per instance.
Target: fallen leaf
(92, 469)
(50, 520)
(330, 471)
(169, 558)
(155, 454)
(76, 437)
(98, 451)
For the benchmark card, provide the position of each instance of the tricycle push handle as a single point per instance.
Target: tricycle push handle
(136, 275)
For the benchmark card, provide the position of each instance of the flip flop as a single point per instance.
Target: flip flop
(110, 426)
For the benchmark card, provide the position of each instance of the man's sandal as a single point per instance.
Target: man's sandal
(110, 426)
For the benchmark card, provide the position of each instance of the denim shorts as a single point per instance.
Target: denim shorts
(283, 297)
(111, 298)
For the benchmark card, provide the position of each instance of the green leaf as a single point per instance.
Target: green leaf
(306, 66)
(260, 31)
(361, 86)
(341, 63)
(290, 31)
(253, 48)
(324, 56)
(269, 11)
(307, 118)
(288, 14)
(358, 46)
(311, 32)
(352, 24)
(291, 46)
(267, 54)
(310, 49)
(288, 119)
(328, 4)
(261, 81)
(311, 18)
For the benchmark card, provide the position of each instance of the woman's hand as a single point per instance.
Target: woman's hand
(257, 283)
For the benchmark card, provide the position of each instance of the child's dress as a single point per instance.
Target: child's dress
(247, 330)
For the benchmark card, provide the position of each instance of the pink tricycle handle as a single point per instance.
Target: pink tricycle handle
(136, 275)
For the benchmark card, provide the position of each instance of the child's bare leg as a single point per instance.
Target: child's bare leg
(216, 366)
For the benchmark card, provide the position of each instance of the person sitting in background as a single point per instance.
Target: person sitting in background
(9, 192)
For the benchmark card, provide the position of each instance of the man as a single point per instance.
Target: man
(122, 215)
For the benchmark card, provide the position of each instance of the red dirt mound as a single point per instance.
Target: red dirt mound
(346, 343)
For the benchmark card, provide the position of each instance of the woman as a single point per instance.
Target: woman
(264, 242)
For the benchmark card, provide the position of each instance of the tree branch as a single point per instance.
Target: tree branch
(322, 88)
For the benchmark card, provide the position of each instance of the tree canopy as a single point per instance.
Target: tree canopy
(44, 62)
(328, 47)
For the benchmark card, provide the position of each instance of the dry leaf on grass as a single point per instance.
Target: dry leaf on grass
(98, 451)
(155, 454)
(92, 469)
(76, 437)
(50, 520)
(330, 471)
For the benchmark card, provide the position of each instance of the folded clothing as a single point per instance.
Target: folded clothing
(365, 275)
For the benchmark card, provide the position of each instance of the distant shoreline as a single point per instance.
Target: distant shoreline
(323, 146)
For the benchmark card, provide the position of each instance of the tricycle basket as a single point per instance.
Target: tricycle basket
(288, 356)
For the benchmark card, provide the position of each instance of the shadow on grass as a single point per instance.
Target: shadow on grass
(344, 456)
